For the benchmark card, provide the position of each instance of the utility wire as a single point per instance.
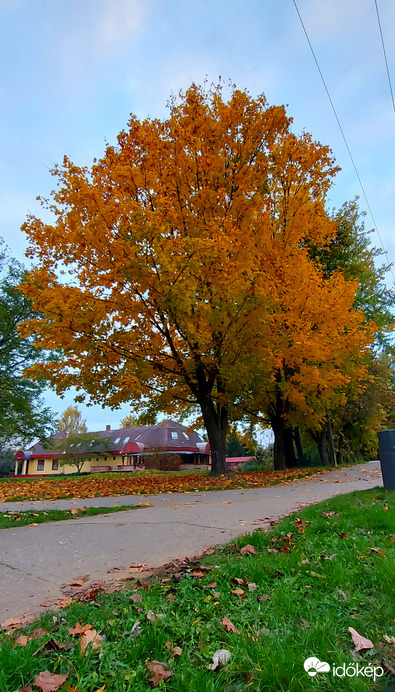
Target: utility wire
(344, 138)
(385, 55)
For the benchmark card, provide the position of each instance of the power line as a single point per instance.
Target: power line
(385, 55)
(344, 137)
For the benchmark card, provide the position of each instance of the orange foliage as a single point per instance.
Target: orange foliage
(177, 269)
(96, 486)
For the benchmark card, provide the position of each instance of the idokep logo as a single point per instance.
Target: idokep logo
(313, 665)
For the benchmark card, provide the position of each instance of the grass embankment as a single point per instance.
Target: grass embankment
(313, 576)
(145, 483)
(10, 519)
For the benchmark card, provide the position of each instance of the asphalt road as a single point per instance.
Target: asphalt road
(35, 561)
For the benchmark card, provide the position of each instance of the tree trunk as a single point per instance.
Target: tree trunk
(284, 453)
(216, 424)
(320, 440)
(332, 453)
(299, 447)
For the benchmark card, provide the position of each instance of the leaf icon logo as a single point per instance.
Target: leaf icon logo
(313, 665)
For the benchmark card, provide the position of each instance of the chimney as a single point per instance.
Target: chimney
(108, 427)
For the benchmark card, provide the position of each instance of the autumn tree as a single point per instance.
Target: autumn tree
(368, 404)
(71, 422)
(176, 271)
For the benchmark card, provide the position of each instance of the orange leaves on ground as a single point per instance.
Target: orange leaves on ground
(90, 637)
(122, 484)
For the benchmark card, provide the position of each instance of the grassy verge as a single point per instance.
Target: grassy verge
(10, 519)
(313, 576)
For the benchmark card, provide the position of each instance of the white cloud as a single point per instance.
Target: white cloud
(118, 20)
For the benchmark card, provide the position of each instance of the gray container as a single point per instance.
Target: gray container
(387, 457)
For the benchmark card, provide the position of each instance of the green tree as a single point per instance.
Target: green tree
(78, 448)
(24, 416)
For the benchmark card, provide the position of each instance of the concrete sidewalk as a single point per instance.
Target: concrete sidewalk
(35, 561)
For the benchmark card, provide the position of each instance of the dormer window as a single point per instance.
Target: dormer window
(117, 440)
(126, 440)
(174, 435)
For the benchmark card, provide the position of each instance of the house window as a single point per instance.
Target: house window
(174, 435)
(40, 465)
(117, 440)
(186, 436)
(126, 440)
(114, 458)
(55, 464)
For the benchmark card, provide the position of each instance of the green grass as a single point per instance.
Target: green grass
(12, 519)
(305, 600)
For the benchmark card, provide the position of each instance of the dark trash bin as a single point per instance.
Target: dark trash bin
(387, 457)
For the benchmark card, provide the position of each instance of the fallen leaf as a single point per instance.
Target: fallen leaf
(299, 525)
(252, 586)
(226, 502)
(176, 651)
(211, 584)
(49, 682)
(263, 632)
(136, 630)
(22, 640)
(329, 514)
(74, 511)
(91, 637)
(388, 668)
(248, 550)
(79, 629)
(158, 671)
(343, 534)
(361, 643)
(220, 657)
(152, 617)
(136, 598)
(238, 592)
(389, 640)
(378, 552)
(304, 623)
(236, 581)
(286, 548)
(229, 626)
(168, 645)
(198, 573)
(145, 504)
(171, 597)
(37, 633)
(344, 595)
(391, 537)
(26, 688)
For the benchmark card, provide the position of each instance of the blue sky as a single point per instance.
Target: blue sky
(73, 71)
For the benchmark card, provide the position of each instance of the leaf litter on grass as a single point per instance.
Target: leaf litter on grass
(288, 611)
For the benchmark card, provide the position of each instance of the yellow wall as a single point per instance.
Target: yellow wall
(67, 468)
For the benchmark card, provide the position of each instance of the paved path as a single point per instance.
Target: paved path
(35, 561)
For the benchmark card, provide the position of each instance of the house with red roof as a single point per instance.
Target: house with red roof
(164, 445)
